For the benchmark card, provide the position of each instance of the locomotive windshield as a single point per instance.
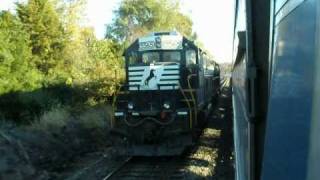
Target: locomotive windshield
(148, 57)
(171, 56)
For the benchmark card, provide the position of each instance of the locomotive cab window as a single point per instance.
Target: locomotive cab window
(191, 57)
(171, 56)
(150, 57)
(133, 58)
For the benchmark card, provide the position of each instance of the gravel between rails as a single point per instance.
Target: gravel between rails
(213, 157)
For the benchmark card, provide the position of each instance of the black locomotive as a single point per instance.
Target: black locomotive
(170, 86)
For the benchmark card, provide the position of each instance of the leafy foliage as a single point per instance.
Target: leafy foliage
(107, 69)
(41, 20)
(48, 56)
(138, 17)
(16, 70)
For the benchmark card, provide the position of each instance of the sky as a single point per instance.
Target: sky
(212, 21)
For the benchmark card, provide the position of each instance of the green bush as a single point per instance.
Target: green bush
(96, 117)
(23, 107)
(52, 120)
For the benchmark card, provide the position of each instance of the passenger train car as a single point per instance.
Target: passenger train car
(170, 85)
(276, 89)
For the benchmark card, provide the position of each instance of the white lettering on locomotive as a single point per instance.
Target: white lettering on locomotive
(168, 42)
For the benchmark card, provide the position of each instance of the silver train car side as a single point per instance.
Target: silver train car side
(276, 89)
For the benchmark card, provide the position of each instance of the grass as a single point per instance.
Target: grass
(96, 117)
(56, 118)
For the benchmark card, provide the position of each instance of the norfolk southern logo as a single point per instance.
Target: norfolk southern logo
(158, 42)
(151, 75)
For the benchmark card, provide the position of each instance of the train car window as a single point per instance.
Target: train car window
(133, 58)
(171, 56)
(150, 57)
(191, 57)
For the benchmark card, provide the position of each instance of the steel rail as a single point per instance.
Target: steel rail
(154, 169)
(117, 169)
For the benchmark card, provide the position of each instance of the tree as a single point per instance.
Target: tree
(138, 17)
(46, 44)
(47, 36)
(106, 67)
(17, 70)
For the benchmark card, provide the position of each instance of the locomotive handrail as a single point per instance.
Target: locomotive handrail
(113, 104)
(192, 97)
(188, 104)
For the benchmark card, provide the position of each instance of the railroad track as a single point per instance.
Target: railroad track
(149, 168)
(118, 168)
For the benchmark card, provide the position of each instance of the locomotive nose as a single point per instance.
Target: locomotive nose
(163, 115)
(151, 131)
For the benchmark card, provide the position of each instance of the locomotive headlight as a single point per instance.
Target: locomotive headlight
(130, 105)
(166, 105)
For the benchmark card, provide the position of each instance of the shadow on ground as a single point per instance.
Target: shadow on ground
(222, 120)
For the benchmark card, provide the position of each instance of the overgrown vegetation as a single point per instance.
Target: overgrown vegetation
(57, 77)
(50, 58)
(50, 144)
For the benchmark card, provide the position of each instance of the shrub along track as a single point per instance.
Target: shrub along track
(210, 158)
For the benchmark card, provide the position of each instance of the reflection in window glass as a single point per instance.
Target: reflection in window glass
(279, 4)
(171, 56)
(150, 57)
(190, 57)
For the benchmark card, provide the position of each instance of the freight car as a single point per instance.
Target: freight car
(169, 89)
